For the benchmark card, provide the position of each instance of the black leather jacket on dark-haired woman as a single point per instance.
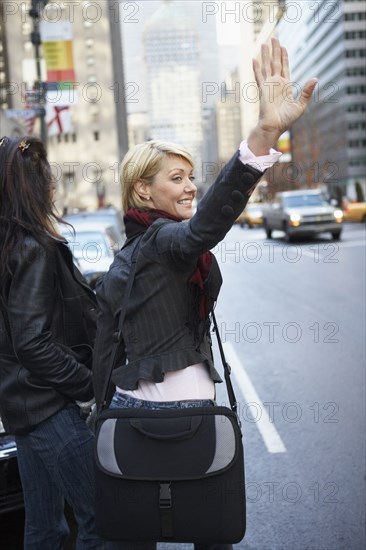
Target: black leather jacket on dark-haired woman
(47, 332)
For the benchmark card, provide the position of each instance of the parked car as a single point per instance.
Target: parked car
(93, 247)
(355, 212)
(108, 217)
(304, 213)
(11, 494)
(251, 215)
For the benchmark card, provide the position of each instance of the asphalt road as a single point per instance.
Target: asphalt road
(295, 317)
(292, 318)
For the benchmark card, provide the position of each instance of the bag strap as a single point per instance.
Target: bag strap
(227, 369)
(117, 336)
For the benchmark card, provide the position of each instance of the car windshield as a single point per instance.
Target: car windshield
(88, 245)
(304, 200)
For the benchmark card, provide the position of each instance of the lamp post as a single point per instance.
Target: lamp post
(34, 12)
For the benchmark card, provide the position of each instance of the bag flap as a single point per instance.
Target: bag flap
(167, 444)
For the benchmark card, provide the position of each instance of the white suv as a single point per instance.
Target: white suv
(303, 213)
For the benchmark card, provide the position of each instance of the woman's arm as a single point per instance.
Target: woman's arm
(228, 196)
(30, 311)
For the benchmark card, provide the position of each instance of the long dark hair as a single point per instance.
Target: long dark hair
(26, 203)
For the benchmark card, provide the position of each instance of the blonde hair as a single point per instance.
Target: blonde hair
(143, 162)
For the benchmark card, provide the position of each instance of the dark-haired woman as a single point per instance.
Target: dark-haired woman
(46, 334)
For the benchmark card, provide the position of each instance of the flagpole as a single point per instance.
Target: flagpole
(34, 12)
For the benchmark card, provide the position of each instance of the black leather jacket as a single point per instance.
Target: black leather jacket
(47, 330)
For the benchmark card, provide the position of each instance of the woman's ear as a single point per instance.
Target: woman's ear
(142, 189)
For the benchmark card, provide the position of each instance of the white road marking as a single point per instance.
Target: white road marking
(311, 255)
(266, 428)
(354, 243)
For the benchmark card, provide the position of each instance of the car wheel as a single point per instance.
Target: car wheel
(364, 219)
(288, 237)
(267, 229)
(250, 226)
(241, 224)
(336, 235)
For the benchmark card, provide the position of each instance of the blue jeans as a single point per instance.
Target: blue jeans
(120, 400)
(56, 464)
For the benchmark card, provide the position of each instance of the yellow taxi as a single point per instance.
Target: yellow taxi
(355, 212)
(251, 215)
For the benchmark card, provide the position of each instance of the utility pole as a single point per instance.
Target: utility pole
(35, 13)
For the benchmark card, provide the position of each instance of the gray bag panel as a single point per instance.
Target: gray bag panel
(105, 447)
(224, 446)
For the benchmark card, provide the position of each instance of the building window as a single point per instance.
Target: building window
(356, 71)
(357, 16)
(355, 34)
(68, 182)
(358, 125)
(356, 108)
(361, 89)
(356, 53)
(96, 136)
(26, 28)
(357, 143)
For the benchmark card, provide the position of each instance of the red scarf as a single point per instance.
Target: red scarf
(135, 220)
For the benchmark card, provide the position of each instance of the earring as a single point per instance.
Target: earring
(148, 198)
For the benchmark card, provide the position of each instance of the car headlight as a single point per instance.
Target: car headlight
(338, 214)
(295, 217)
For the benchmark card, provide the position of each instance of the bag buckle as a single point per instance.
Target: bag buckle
(165, 496)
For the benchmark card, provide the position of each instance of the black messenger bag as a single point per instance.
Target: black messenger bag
(170, 475)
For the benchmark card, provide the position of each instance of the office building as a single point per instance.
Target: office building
(85, 154)
(172, 60)
(258, 22)
(136, 71)
(228, 118)
(329, 142)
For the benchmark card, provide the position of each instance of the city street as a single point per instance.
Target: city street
(297, 328)
(292, 321)
(113, 114)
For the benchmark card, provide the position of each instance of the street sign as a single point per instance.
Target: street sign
(34, 96)
(15, 113)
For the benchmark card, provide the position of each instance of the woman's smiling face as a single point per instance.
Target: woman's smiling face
(172, 189)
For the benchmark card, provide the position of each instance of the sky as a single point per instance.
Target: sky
(228, 30)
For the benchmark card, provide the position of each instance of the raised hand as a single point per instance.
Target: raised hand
(278, 109)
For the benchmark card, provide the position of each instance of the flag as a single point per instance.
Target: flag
(58, 120)
(57, 48)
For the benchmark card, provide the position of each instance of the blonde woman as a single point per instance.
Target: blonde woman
(166, 358)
